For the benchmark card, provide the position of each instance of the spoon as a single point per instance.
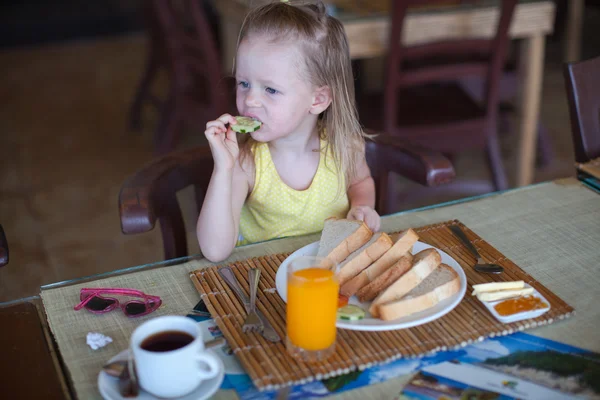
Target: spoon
(480, 266)
(128, 384)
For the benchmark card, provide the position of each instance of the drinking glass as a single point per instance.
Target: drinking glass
(312, 302)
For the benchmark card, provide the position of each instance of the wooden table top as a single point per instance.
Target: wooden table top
(550, 230)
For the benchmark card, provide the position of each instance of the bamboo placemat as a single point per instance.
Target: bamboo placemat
(269, 365)
(592, 167)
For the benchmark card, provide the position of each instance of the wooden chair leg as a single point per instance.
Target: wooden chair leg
(142, 92)
(383, 192)
(495, 161)
(172, 227)
(544, 145)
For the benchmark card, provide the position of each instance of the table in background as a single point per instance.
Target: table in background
(572, 41)
(368, 37)
(550, 230)
(30, 368)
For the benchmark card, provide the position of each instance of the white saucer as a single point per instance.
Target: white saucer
(109, 386)
(518, 316)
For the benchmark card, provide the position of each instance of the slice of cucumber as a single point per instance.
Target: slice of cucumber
(350, 313)
(246, 125)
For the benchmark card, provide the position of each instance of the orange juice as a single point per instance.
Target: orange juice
(312, 299)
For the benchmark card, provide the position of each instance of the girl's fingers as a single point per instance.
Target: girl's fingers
(359, 215)
(227, 119)
(212, 132)
(215, 124)
(373, 221)
(231, 135)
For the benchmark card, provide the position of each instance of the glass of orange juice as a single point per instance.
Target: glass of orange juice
(312, 302)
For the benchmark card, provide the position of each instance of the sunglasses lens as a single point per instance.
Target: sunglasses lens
(135, 308)
(99, 304)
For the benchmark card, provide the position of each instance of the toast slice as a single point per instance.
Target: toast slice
(364, 256)
(383, 281)
(403, 244)
(340, 237)
(442, 283)
(424, 262)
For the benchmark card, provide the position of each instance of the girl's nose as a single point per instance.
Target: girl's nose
(252, 99)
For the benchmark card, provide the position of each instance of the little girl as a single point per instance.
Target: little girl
(307, 162)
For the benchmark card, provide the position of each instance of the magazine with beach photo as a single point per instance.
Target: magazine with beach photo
(517, 366)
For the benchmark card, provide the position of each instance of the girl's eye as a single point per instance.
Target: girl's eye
(244, 85)
(271, 90)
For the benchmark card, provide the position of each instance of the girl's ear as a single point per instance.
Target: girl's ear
(321, 100)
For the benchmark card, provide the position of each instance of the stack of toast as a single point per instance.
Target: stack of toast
(382, 270)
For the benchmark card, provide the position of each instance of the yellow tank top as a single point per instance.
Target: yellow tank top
(275, 210)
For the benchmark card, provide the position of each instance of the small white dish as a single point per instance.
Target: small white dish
(109, 385)
(370, 323)
(518, 316)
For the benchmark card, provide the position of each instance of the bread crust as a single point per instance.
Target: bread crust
(350, 244)
(403, 307)
(366, 257)
(402, 246)
(383, 281)
(424, 263)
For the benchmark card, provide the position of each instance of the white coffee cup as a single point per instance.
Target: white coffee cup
(177, 372)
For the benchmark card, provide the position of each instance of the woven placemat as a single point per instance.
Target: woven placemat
(269, 365)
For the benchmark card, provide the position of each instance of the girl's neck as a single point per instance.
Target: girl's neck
(299, 142)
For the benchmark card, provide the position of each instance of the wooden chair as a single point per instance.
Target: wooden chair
(3, 248)
(508, 91)
(181, 42)
(424, 104)
(582, 80)
(150, 194)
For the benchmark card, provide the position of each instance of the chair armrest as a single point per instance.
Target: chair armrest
(3, 248)
(420, 165)
(149, 193)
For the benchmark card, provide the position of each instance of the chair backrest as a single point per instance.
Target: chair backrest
(181, 30)
(3, 248)
(582, 80)
(443, 60)
(151, 195)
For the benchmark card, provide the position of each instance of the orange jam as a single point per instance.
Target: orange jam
(519, 305)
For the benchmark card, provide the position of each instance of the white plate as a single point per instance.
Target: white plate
(109, 385)
(374, 324)
(519, 316)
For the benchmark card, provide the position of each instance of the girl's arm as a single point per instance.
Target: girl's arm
(361, 194)
(219, 220)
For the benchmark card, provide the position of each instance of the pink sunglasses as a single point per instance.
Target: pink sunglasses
(93, 301)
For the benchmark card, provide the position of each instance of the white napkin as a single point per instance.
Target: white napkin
(97, 340)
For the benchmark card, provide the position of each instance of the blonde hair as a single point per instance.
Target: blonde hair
(324, 46)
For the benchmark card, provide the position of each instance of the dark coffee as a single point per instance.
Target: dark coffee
(167, 341)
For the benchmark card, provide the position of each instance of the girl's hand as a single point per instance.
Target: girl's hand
(366, 214)
(223, 142)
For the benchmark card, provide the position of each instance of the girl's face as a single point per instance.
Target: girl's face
(271, 88)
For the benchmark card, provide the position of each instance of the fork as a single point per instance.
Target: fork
(480, 265)
(253, 322)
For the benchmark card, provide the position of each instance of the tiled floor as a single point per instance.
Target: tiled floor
(65, 150)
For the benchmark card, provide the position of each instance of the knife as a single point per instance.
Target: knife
(268, 332)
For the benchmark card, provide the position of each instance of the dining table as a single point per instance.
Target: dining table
(367, 28)
(551, 230)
